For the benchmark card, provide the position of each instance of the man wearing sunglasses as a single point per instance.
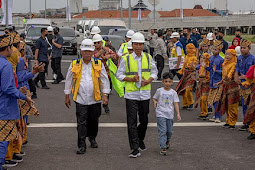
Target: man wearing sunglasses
(103, 53)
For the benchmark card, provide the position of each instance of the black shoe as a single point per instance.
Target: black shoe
(56, 82)
(190, 107)
(45, 87)
(17, 158)
(185, 107)
(25, 142)
(244, 128)
(252, 136)
(167, 144)
(34, 96)
(106, 109)
(21, 154)
(93, 143)
(163, 152)
(36, 84)
(226, 126)
(232, 127)
(210, 110)
(9, 164)
(142, 146)
(134, 154)
(81, 151)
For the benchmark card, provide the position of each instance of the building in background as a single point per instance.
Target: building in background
(109, 4)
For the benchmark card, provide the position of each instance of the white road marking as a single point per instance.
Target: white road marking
(121, 125)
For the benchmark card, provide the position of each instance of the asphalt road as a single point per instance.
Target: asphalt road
(200, 145)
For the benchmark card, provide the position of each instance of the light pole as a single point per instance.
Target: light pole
(30, 9)
(45, 12)
(129, 14)
(7, 14)
(121, 9)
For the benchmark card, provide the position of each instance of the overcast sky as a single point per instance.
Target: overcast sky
(233, 5)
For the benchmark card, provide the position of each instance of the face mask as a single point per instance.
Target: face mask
(219, 37)
(55, 33)
(238, 36)
(46, 35)
(185, 34)
(6, 32)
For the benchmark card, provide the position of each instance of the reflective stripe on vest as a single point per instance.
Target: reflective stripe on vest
(132, 70)
(124, 48)
(77, 75)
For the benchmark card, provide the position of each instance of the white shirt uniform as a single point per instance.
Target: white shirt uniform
(142, 94)
(85, 94)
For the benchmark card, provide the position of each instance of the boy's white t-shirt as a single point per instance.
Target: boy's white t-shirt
(166, 100)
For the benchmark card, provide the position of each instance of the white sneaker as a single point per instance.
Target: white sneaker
(217, 120)
(212, 120)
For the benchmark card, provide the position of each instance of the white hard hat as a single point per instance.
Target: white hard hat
(87, 45)
(129, 45)
(238, 50)
(130, 33)
(97, 38)
(50, 28)
(209, 36)
(175, 35)
(95, 30)
(138, 37)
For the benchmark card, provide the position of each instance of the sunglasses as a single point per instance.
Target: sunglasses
(97, 42)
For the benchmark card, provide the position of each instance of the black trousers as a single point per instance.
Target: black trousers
(160, 64)
(41, 76)
(32, 86)
(151, 51)
(87, 122)
(56, 67)
(136, 133)
(174, 72)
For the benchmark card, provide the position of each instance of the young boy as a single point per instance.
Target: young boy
(165, 101)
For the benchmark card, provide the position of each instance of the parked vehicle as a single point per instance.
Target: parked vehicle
(70, 39)
(37, 22)
(106, 24)
(116, 41)
(120, 32)
(33, 33)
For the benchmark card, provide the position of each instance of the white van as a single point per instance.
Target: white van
(37, 22)
(106, 24)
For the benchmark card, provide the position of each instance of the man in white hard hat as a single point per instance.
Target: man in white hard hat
(103, 53)
(177, 55)
(83, 81)
(137, 70)
(129, 47)
(123, 48)
(95, 30)
(50, 37)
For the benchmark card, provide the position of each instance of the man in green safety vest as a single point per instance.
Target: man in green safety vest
(137, 70)
(123, 48)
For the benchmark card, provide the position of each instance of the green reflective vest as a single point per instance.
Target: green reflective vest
(103, 43)
(117, 85)
(132, 70)
(124, 48)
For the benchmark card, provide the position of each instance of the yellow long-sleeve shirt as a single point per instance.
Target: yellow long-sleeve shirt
(190, 63)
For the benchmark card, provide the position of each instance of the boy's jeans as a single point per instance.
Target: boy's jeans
(165, 130)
